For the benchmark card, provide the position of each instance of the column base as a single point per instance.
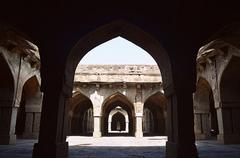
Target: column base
(138, 134)
(59, 150)
(7, 139)
(97, 134)
(175, 150)
(229, 138)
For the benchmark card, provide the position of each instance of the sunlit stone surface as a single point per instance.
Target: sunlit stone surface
(122, 147)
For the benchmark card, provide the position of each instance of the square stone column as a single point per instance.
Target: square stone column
(53, 128)
(8, 116)
(97, 127)
(32, 125)
(201, 125)
(227, 122)
(138, 132)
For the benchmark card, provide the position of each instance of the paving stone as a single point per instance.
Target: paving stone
(121, 147)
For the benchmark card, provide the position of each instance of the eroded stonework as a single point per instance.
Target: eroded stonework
(217, 98)
(132, 85)
(20, 96)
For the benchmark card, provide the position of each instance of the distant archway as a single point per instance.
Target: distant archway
(154, 115)
(206, 124)
(29, 111)
(114, 104)
(118, 121)
(230, 99)
(81, 115)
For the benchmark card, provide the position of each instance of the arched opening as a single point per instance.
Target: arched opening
(6, 84)
(118, 121)
(230, 99)
(81, 115)
(140, 38)
(154, 115)
(205, 116)
(127, 31)
(118, 115)
(230, 82)
(6, 102)
(29, 111)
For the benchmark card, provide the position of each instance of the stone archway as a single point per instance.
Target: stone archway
(230, 100)
(129, 32)
(205, 116)
(6, 102)
(137, 36)
(80, 115)
(118, 104)
(177, 127)
(29, 111)
(154, 115)
(118, 121)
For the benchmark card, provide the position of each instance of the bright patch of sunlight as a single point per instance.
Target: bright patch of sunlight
(118, 51)
(116, 141)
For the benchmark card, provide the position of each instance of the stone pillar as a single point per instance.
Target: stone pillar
(165, 121)
(139, 132)
(228, 119)
(97, 127)
(109, 126)
(181, 142)
(220, 136)
(8, 116)
(127, 127)
(53, 128)
(202, 125)
(33, 113)
(32, 125)
(138, 105)
(97, 101)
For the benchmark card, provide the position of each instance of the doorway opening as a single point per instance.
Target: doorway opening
(134, 81)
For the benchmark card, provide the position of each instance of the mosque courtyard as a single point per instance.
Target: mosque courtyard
(121, 147)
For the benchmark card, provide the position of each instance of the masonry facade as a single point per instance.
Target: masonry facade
(215, 104)
(117, 100)
(217, 96)
(20, 95)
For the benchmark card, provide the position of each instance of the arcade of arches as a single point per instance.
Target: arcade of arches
(133, 100)
(113, 100)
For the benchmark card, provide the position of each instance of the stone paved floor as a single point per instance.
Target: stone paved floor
(121, 147)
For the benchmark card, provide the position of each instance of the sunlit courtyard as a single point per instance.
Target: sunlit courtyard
(121, 147)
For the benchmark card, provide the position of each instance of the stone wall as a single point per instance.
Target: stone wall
(218, 64)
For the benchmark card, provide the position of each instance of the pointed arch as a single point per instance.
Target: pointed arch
(205, 115)
(118, 121)
(80, 115)
(29, 111)
(117, 96)
(113, 101)
(159, 97)
(154, 114)
(230, 81)
(129, 32)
